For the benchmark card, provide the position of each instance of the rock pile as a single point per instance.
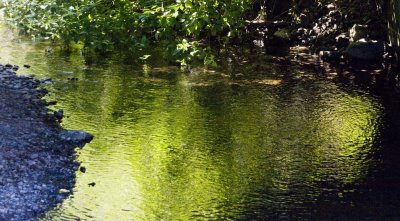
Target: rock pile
(37, 165)
(334, 35)
(335, 31)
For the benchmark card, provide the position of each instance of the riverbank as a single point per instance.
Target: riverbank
(336, 32)
(37, 156)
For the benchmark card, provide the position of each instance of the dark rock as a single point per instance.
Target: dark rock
(82, 169)
(342, 41)
(358, 32)
(59, 114)
(92, 184)
(277, 45)
(306, 20)
(366, 50)
(330, 55)
(278, 42)
(27, 66)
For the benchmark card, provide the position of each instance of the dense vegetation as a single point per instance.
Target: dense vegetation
(186, 28)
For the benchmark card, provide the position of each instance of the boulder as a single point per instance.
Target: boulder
(76, 137)
(358, 32)
(364, 49)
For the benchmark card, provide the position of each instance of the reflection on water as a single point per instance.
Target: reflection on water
(171, 145)
(165, 150)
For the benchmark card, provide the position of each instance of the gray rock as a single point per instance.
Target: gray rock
(77, 137)
(358, 32)
(33, 156)
(366, 50)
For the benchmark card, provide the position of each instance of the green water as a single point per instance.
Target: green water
(238, 144)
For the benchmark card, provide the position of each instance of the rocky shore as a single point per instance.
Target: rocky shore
(336, 32)
(37, 156)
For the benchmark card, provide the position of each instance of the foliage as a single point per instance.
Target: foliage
(186, 28)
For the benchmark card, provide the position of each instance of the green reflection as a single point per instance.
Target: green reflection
(171, 150)
(179, 146)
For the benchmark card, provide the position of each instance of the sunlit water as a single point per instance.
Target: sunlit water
(272, 144)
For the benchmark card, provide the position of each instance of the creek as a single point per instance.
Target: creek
(257, 141)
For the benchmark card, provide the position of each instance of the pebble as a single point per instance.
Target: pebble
(82, 169)
(34, 157)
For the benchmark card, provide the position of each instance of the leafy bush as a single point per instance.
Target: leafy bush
(186, 28)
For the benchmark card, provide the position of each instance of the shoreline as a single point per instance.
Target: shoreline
(37, 156)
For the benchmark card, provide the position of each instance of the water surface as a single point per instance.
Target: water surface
(250, 142)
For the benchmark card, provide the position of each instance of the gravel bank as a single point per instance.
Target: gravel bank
(37, 157)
